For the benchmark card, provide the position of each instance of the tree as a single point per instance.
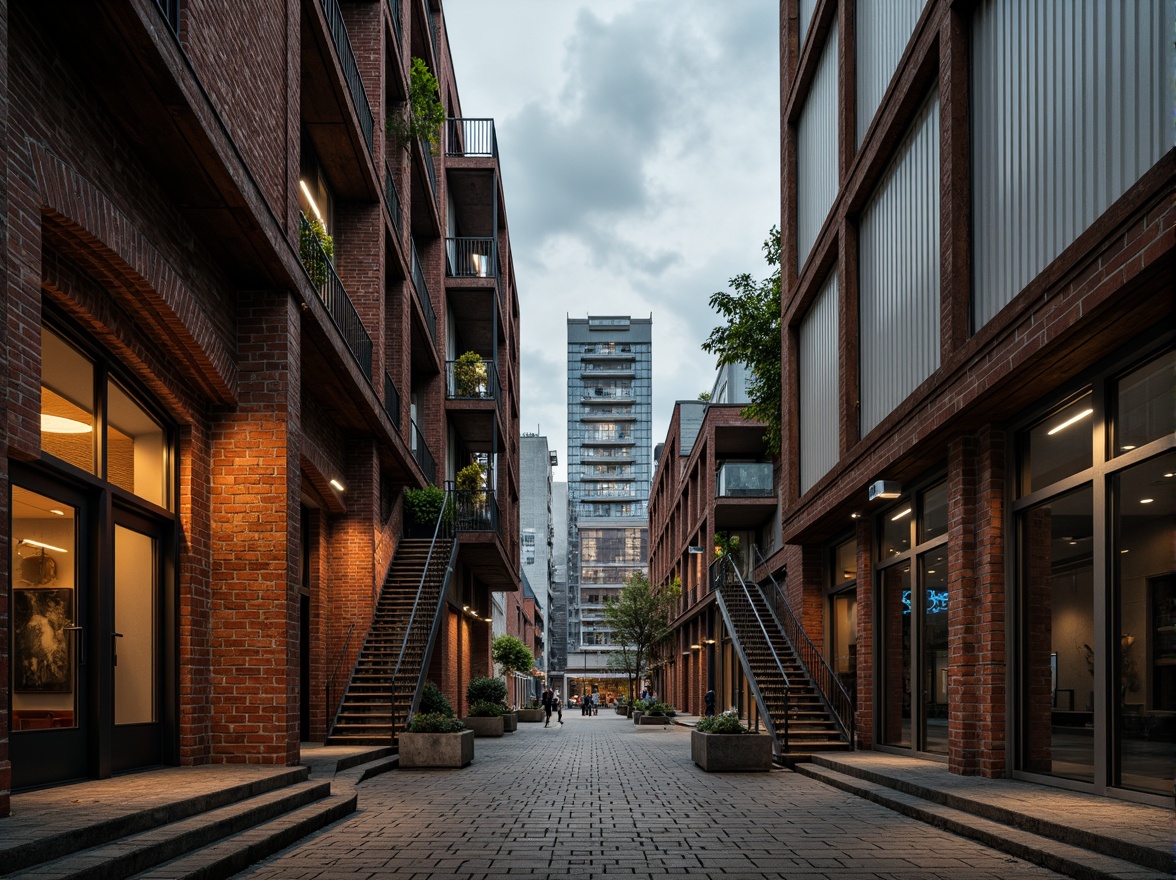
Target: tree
(423, 114)
(640, 621)
(751, 336)
(511, 654)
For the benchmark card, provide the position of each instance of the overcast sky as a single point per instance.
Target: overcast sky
(639, 146)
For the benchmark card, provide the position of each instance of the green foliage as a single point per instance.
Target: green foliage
(704, 396)
(469, 375)
(511, 654)
(423, 506)
(751, 336)
(727, 722)
(642, 705)
(427, 722)
(660, 709)
(471, 478)
(640, 622)
(433, 702)
(313, 245)
(487, 709)
(726, 543)
(423, 115)
(489, 690)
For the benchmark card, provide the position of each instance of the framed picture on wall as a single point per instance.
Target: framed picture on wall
(41, 645)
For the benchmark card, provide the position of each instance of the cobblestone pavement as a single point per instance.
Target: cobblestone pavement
(600, 797)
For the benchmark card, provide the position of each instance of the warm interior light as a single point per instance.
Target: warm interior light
(696, 647)
(1126, 448)
(900, 515)
(335, 484)
(57, 512)
(313, 206)
(62, 425)
(1146, 500)
(33, 543)
(1069, 422)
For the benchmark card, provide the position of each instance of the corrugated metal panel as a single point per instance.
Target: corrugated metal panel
(818, 387)
(899, 273)
(816, 160)
(1071, 104)
(883, 31)
(807, 8)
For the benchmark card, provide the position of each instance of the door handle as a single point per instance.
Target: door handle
(81, 642)
(113, 649)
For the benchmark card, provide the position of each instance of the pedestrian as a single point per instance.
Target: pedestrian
(709, 699)
(596, 704)
(546, 699)
(557, 707)
(584, 705)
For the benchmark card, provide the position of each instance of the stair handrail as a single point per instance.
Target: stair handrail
(431, 641)
(441, 530)
(333, 716)
(829, 687)
(721, 579)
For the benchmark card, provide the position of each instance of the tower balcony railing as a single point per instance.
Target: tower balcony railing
(397, 21)
(471, 257)
(363, 109)
(471, 138)
(392, 200)
(331, 291)
(420, 451)
(475, 511)
(422, 294)
(171, 12)
(391, 400)
(745, 479)
(430, 169)
(432, 31)
(471, 380)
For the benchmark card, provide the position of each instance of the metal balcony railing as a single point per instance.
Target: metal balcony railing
(742, 479)
(432, 31)
(420, 451)
(363, 110)
(397, 21)
(422, 293)
(392, 199)
(334, 296)
(475, 511)
(471, 138)
(471, 380)
(470, 257)
(391, 400)
(171, 12)
(430, 169)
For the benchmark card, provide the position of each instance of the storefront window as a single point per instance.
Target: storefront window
(1145, 411)
(896, 647)
(135, 459)
(896, 530)
(67, 403)
(1057, 447)
(933, 522)
(843, 616)
(933, 573)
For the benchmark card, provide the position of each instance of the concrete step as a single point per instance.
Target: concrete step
(1082, 855)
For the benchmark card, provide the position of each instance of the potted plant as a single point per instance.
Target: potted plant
(469, 376)
(422, 507)
(639, 707)
(657, 713)
(487, 706)
(726, 544)
(423, 114)
(722, 744)
(434, 737)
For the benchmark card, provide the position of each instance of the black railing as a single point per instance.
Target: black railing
(171, 13)
(397, 21)
(391, 400)
(471, 380)
(430, 168)
(392, 199)
(475, 511)
(331, 291)
(471, 138)
(420, 451)
(363, 110)
(828, 685)
(422, 293)
(333, 701)
(432, 31)
(470, 257)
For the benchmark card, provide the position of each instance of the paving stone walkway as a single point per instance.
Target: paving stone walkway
(600, 797)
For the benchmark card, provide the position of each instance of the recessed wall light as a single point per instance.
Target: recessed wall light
(62, 425)
(1126, 448)
(1146, 500)
(56, 512)
(1069, 422)
(40, 545)
(337, 486)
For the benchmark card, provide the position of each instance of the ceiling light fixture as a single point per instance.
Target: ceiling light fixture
(1069, 421)
(62, 425)
(1146, 500)
(339, 487)
(56, 512)
(313, 205)
(900, 515)
(42, 546)
(884, 489)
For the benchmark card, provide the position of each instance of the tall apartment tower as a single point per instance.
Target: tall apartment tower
(609, 463)
(536, 523)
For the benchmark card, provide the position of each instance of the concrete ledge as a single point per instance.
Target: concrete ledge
(437, 749)
(731, 753)
(510, 722)
(654, 719)
(485, 726)
(530, 716)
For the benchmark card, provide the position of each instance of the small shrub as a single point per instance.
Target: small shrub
(423, 506)
(642, 705)
(433, 722)
(433, 702)
(660, 709)
(486, 709)
(488, 690)
(727, 722)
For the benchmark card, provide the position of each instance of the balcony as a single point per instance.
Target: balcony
(475, 511)
(422, 294)
(430, 168)
(471, 380)
(331, 291)
(424, 458)
(392, 201)
(471, 138)
(171, 12)
(470, 257)
(608, 492)
(391, 400)
(363, 110)
(738, 479)
(397, 21)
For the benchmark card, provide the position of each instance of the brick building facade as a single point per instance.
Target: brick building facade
(210, 416)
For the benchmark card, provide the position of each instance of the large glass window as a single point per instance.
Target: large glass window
(843, 616)
(1145, 410)
(1058, 446)
(67, 403)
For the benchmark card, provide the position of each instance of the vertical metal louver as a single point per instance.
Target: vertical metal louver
(818, 368)
(899, 287)
(1071, 103)
(882, 31)
(816, 160)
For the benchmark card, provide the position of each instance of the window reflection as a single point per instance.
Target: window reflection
(1145, 410)
(67, 402)
(1058, 446)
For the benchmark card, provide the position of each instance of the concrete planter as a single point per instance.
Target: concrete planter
(530, 716)
(623, 710)
(636, 716)
(485, 726)
(436, 749)
(653, 719)
(731, 753)
(510, 722)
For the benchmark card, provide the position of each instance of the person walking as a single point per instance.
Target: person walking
(709, 699)
(557, 707)
(546, 699)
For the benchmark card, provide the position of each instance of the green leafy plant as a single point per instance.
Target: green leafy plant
(640, 622)
(424, 505)
(489, 690)
(726, 544)
(317, 250)
(660, 709)
(432, 722)
(469, 375)
(486, 709)
(511, 654)
(433, 702)
(726, 722)
(423, 114)
(642, 705)
(471, 478)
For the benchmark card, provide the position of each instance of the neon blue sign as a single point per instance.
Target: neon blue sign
(936, 601)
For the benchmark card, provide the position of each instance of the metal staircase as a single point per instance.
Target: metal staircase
(797, 713)
(385, 684)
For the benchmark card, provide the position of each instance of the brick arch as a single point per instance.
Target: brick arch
(109, 245)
